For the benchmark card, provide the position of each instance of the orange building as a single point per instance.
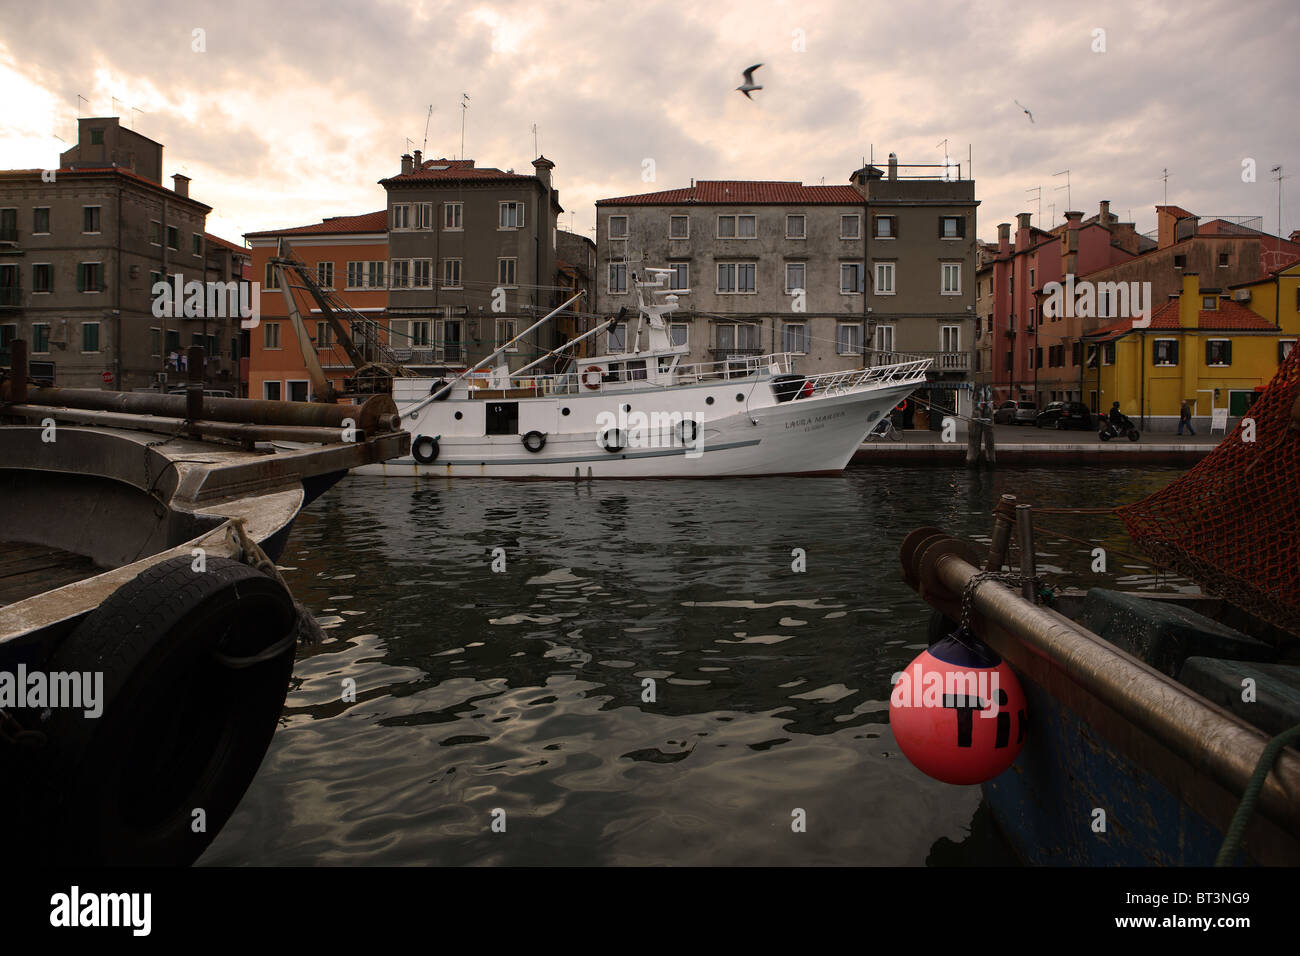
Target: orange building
(350, 256)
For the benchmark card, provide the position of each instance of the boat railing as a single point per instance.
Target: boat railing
(877, 376)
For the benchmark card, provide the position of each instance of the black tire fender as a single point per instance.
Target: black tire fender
(424, 448)
(688, 425)
(612, 439)
(195, 668)
(534, 441)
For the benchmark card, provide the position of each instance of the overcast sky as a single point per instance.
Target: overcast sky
(296, 108)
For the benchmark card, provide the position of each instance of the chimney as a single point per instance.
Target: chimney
(418, 158)
(1103, 212)
(1189, 303)
(182, 184)
(406, 163)
(1070, 244)
(543, 167)
(1004, 238)
(1023, 220)
(893, 166)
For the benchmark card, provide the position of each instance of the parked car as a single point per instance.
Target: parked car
(1065, 415)
(1015, 413)
(207, 392)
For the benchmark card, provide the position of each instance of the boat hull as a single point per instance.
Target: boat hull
(803, 436)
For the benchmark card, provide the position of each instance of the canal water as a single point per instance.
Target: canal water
(521, 696)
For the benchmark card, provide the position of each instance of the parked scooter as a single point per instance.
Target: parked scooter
(1110, 430)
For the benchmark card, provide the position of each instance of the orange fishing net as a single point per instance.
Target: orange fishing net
(1232, 523)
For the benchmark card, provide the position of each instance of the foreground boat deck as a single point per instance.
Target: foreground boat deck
(30, 569)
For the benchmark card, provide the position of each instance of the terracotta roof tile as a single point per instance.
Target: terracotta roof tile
(1229, 317)
(217, 240)
(334, 225)
(452, 169)
(743, 192)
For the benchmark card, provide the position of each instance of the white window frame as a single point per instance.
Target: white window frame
(453, 217)
(950, 335)
(1285, 354)
(803, 226)
(99, 217)
(735, 219)
(35, 266)
(288, 389)
(861, 276)
(322, 267)
(802, 284)
(513, 325)
(1154, 344)
(98, 330)
(271, 332)
(356, 277)
(393, 270)
(324, 335)
(517, 208)
(672, 332)
(281, 391)
(421, 333)
(686, 220)
(884, 339)
(886, 271)
(957, 221)
(757, 335)
(1227, 364)
(449, 266)
(399, 217)
(893, 227)
(735, 269)
(857, 225)
(419, 266)
(622, 221)
(788, 327)
(840, 327)
(382, 277)
(678, 270)
(944, 268)
(616, 268)
(423, 215)
(513, 281)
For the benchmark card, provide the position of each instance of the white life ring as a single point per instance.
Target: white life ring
(593, 370)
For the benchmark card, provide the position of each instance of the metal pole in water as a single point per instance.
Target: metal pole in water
(1002, 520)
(1028, 571)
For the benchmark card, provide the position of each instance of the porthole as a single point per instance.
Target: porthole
(740, 396)
(709, 400)
(459, 416)
(564, 411)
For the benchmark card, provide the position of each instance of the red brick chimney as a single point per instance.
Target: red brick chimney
(1004, 238)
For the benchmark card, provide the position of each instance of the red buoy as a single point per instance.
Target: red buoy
(958, 712)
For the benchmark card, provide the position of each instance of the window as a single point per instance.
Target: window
(271, 279)
(271, 337)
(734, 337)
(324, 335)
(448, 341)
(325, 275)
(951, 273)
(1218, 352)
(401, 216)
(41, 220)
(173, 341)
(1031, 278)
(196, 244)
(90, 277)
(1108, 354)
(400, 273)
(794, 337)
(420, 333)
(506, 269)
(1223, 260)
(795, 275)
(89, 336)
(680, 333)
(679, 227)
(954, 227)
(453, 216)
(618, 278)
(1075, 352)
(90, 219)
(737, 227)
(886, 227)
(885, 278)
(298, 391)
(506, 330)
(1038, 357)
(356, 275)
(155, 341)
(1029, 360)
(40, 337)
(679, 276)
(884, 341)
(9, 224)
(423, 215)
(616, 338)
(796, 227)
(1209, 303)
(1010, 361)
(271, 391)
(422, 270)
(451, 273)
(1033, 314)
(155, 232)
(375, 274)
(511, 215)
(618, 227)
(736, 278)
(852, 277)
(848, 339)
(42, 277)
(173, 238)
(97, 137)
(1180, 262)
(851, 227)
(1284, 347)
(1164, 352)
(950, 338)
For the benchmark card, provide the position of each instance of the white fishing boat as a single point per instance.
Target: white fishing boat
(642, 413)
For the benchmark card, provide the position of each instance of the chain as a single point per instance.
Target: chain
(1006, 577)
(148, 470)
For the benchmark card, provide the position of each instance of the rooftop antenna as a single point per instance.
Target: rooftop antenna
(1052, 206)
(1038, 198)
(1165, 177)
(80, 98)
(1278, 169)
(428, 117)
(134, 110)
(409, 141)
(535, 152)
(113, 105)
(464, 108)
(1066, 187)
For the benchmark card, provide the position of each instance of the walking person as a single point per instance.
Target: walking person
(1185, 418)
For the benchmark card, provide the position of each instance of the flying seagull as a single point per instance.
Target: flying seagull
(749, 84)
(1023, 107)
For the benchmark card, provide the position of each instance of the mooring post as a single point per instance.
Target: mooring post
(1003, 518)
(1028, 569)
(990, 450)
(973, 444)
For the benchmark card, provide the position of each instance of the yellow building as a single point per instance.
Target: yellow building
(1203, 347)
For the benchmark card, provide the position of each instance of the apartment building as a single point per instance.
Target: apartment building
(840, 276)
(472, 258)
(349, 256)
(81, 246)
